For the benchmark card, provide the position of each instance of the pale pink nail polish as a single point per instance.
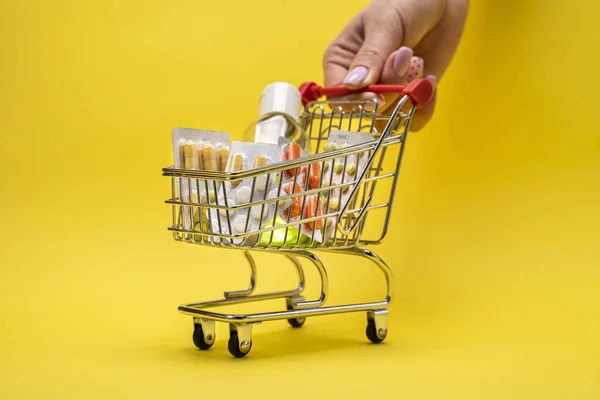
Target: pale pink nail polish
(433, 80)
(416, 69)
(356, 76)
(402, 60)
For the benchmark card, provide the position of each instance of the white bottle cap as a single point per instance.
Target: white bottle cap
(281, 97)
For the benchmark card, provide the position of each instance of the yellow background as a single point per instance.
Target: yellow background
(495, 241)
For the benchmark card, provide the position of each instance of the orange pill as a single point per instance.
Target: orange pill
(313, 208)
(291, 152)
(314, 179)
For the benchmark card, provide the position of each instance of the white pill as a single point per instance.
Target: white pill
(261, 182)
(223, 212)
(257, 212)
(282, 204)
(243, 195)
(239, 223)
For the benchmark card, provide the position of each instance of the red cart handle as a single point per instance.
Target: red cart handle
(420, 91)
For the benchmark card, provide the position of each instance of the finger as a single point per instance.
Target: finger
(340, 53)
(413, 69)
(405, 73)
(383, 35)
(438, 46)
(395, 72)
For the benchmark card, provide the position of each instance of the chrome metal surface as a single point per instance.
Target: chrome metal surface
(353, 228)
(244, 332)
(200, 309)
(208, 328)
(380, 318)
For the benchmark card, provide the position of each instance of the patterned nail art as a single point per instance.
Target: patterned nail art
(416, 69)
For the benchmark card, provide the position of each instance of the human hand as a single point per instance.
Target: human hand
(377, 46)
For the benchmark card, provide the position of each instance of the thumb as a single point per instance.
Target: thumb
(381, 39)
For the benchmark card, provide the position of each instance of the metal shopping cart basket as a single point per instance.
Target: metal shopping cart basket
(360, 221)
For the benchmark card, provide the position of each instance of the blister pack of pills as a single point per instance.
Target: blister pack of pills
(195, 149)
(245, 156)
(342, 170)
(298, 180)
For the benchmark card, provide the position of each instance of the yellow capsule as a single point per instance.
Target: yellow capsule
(261, 161)
(209, 157)
(334, 203)
(351, 169)
(338, 167)
(190, 158)
(182, 153)
(330, 146)
(237, 164)
(223, 157)
(329, 222)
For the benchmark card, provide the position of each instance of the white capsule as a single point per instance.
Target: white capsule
(239, 223)
(243, 195)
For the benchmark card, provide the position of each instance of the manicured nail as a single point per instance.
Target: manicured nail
(356, 76)
(370, 106)
(402, 60)
(416, 69)
(433, 80)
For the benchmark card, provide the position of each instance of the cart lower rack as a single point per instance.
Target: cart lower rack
(362, 219)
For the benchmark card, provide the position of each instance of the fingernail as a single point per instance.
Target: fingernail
(370, 106)
(416, 69)
(402, 60)
(356, 76)
(433, 80)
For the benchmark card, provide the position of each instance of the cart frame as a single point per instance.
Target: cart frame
(351, 232)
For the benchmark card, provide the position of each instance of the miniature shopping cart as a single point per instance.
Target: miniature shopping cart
(360, 221)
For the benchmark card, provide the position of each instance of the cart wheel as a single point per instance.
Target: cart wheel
(234, 346)
(372, 333)
(295, 322)
(198, 338)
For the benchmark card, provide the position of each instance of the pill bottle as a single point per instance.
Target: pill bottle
(279, 113)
